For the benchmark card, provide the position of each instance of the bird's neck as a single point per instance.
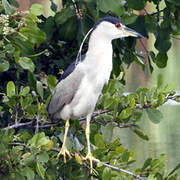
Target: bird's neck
(99, 43)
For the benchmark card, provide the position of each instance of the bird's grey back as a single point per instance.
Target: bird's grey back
(65, 89)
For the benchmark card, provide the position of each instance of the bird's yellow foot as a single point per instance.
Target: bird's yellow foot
(64, 151)
(90, 157)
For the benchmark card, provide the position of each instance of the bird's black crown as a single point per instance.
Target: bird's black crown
(112, 20)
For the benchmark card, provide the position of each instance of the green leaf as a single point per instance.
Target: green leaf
(26, 63)
(159, 80)
(175, 2)
(24, 91)
(161, 60)
(125, 156)
(43, 157)
(141, 134)
(32, 80)
(147, 163)
(37, 9)
(108, 102)
(39, 88)
(4, 65)
(14, 3)
(151, 24)
(151, 177)
(154, 115)
(64, 15)
(68, 31)
(40, 170)
(126, 113)
(28, 173)
(115, 6)
(129, 19)
(137, 5)
(175, 169)
(39, 140)
(162, 45)
(52, 81)
(107, 132)
(33, 34)
(10, 89)
(106, 174)
(99, 142)
(8, 8)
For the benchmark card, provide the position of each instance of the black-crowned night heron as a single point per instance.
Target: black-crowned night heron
(81, 84)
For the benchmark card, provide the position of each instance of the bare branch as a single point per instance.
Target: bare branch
(175, 38)
(16, 116)
(158, 12)
(78, 12)
(14, 126)
(119, 169)
(94, 160)
(95, 114)
(37, 123)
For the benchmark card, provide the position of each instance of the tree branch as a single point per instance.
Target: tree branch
(78, 12)
(118, 169)
(37, 123)
(94, 160)
(14, 126)
(95, 114)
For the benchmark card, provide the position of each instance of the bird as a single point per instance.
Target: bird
(80, 86)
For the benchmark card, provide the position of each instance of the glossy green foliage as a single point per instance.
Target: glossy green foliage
(35, 50)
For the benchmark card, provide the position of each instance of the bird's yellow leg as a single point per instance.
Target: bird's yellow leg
(89, 154)
(64, 151)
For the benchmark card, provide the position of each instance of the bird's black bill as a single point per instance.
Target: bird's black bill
(131, 32)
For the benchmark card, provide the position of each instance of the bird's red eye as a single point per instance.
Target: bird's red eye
(117, 25)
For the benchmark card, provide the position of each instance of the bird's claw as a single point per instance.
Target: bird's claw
(64, 151)
(91, 158)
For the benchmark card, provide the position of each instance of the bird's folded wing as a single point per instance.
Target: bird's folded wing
(65, 91)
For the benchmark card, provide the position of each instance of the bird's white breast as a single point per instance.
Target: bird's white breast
(97, 69)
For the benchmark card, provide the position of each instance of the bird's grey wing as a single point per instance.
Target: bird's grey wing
(65, 91)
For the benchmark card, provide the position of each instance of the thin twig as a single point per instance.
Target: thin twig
(16, 116)
(78, 12)
(118, 169)
(144, 46)
(95, 114)
(37, 123)
(157, 12)
(14, 126)
(94, 160)
(175, 37)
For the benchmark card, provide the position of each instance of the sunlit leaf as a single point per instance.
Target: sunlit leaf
(10, 89)
(52, 81)
(39, 88)
(99, 142)
(24, 91)
(40, 170)
(125, 113)
(106, 174)
(26, 63)
(37, 9)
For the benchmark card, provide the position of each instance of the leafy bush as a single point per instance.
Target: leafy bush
(35, 49)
